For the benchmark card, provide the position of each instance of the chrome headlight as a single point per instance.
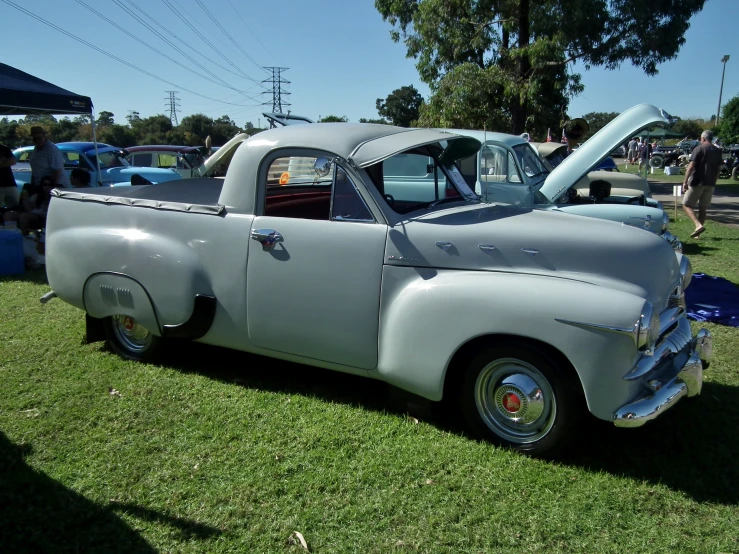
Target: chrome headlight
(646, 330)
(665, 221)
(686, 271)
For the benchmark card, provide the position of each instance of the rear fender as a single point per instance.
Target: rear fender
(109, 294)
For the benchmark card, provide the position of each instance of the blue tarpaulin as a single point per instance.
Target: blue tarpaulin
(713, 299)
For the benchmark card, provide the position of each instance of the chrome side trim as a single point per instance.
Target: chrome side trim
(486, 247)
(614, 329)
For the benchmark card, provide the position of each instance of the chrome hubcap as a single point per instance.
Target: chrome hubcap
(130, 334)
(515, 400)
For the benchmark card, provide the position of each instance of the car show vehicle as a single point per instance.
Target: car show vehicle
(185, 160)
(508, 169)
(623, 184)
(115, 170)
(522, 319)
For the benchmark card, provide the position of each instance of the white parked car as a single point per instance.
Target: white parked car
(521, 318)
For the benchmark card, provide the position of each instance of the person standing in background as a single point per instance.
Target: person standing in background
(46, 160)
(8, 188)
(700, 181)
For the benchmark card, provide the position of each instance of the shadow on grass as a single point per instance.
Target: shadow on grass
(692, 449)
(694, 248)
(37, 276)
(38, 514)
(188, 529)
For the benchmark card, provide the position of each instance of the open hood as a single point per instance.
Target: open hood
(594, 150)
(381, 148)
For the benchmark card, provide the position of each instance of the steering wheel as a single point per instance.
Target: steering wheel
(389, 198)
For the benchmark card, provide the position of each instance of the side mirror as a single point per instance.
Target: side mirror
(322, 166)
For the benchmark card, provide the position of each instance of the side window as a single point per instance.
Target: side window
(23, 156)
(513, 175)
(71, 159)
(493, 164)
(167, 160)
(468, 169)
(409, 178)
(142, 160)
(347, 204)
(293, 189)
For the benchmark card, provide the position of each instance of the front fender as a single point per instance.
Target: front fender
(427, 315)
(641, 217)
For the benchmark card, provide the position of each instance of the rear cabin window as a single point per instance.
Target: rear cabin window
(295, 190)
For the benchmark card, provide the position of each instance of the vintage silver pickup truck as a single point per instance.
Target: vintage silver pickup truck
(521, 318)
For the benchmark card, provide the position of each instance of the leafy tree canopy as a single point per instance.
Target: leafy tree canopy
(333, 119)
(598, 120)
(378, 121)
(728, 129)
(521, 50)
(401, 106)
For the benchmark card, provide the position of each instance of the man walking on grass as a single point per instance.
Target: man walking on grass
(700, 181)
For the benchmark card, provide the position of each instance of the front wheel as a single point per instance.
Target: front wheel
(735, 173)
(131, 340)
(518, 398)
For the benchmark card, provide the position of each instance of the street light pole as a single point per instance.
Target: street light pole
(721, 90)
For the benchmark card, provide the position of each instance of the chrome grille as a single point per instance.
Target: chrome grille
(677, 298)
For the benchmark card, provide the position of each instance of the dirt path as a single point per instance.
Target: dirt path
(724, 206)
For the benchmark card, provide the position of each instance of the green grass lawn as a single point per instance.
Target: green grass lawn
(219, 451)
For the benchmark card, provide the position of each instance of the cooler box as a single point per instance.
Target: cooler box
(11, 253)
(672, 170)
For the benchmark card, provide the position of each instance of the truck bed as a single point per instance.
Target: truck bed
(186, 195)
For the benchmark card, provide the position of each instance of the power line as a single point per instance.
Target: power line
(116, 58)
(222, 82)
(249, 28)
(277, 81)
(228, 36)
(173, 105)
(185, 44)
(205, 40)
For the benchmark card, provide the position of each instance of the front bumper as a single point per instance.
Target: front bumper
(688, 382)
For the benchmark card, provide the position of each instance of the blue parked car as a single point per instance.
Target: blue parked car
(114, 168)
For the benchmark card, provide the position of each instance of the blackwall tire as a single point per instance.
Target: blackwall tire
(656, 162)
(735, 173)
(131, 340)
(517, 397)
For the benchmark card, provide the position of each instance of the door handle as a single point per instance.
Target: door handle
(268, 238)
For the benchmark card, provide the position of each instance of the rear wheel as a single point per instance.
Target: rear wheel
(735, 173)
(131, 340)
(519, 398)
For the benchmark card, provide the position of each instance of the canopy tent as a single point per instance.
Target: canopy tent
(23, 94)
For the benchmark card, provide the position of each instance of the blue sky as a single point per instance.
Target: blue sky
(339, 54)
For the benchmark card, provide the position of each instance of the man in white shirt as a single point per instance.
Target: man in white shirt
(46, 160)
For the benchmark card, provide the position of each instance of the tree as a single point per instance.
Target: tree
(133, 118)
(378, 121)
(333, 119)
(117, 135)
(401, 106)
(105, 119)
(728, 128)
(691, 127)
(598, 120)
(524, 48)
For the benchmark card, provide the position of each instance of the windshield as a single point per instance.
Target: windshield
(529, 161)
(415, 180)
(109, 159)
(195, 159)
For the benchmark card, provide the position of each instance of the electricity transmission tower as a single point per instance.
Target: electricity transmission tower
(172, 102)
(277, 93)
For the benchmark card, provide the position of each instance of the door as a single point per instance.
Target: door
(500, 180)
(314, 270)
